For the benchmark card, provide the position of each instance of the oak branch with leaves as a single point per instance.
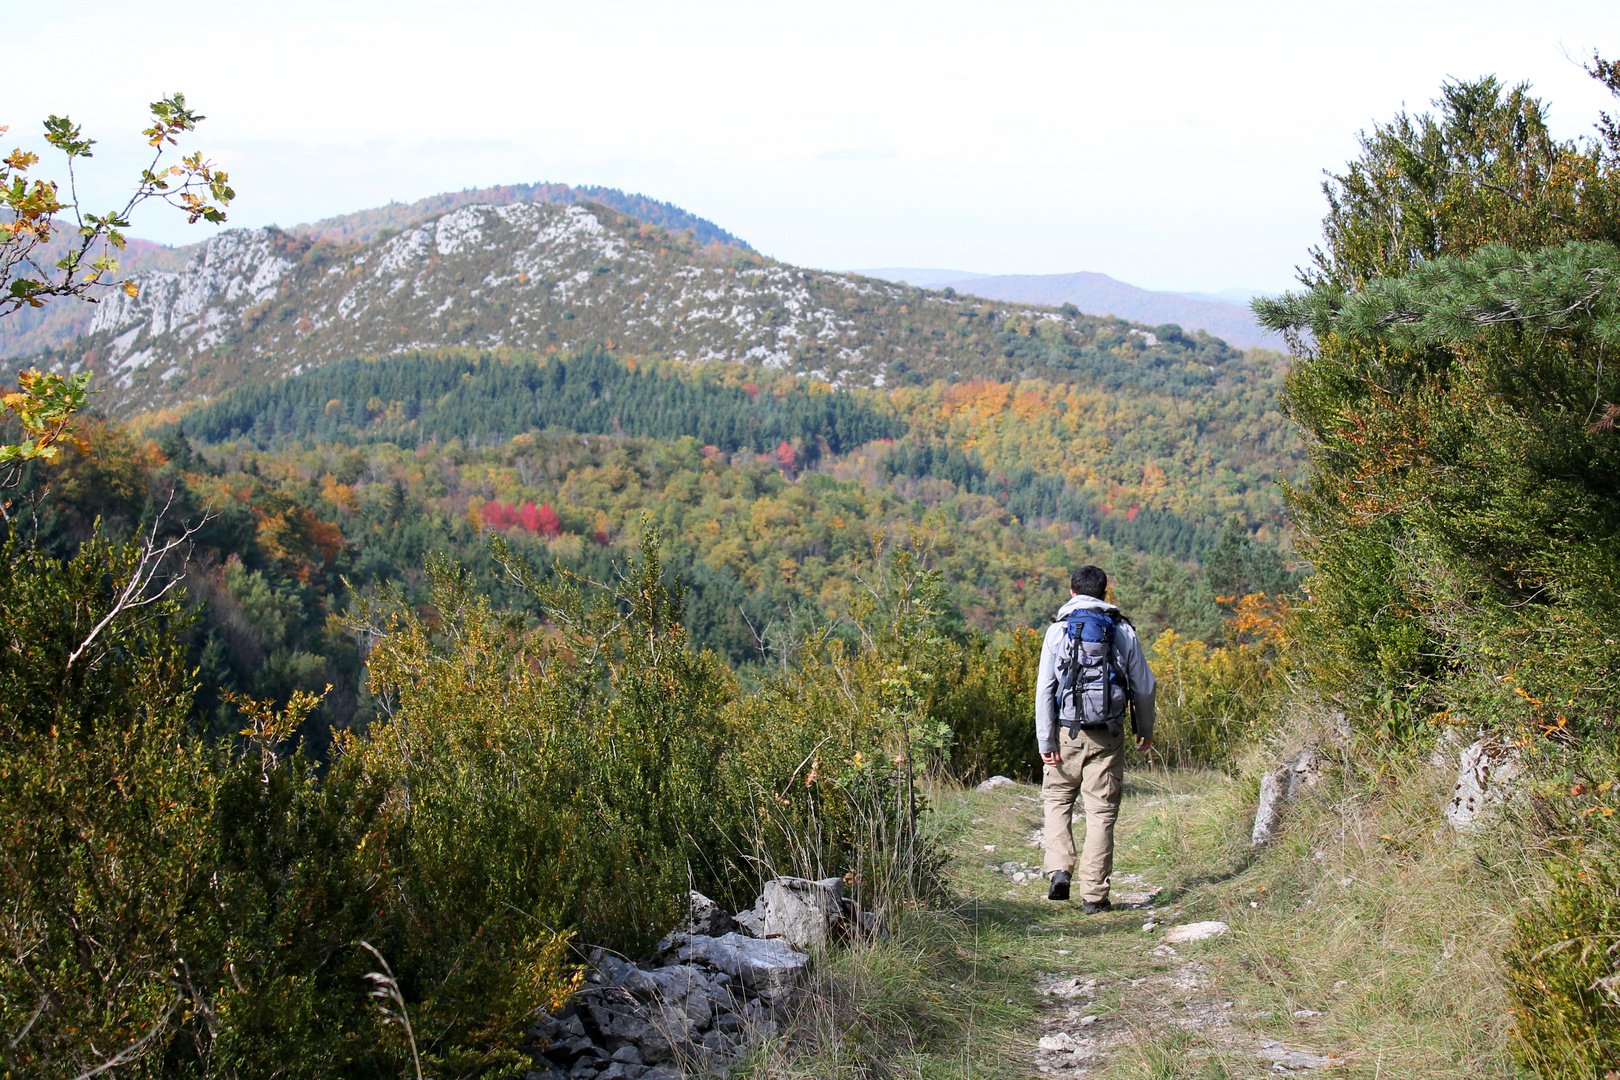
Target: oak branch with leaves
(34, 214)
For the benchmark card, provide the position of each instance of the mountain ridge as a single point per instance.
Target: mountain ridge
(32, 331)
(265, 304)
(364, 225)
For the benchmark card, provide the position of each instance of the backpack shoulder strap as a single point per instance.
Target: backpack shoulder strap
(1124, 672)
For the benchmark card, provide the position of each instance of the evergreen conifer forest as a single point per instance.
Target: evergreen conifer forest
(364, 683)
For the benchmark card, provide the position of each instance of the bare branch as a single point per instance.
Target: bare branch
(44, 1000)
(133, 1050)
(135, 592)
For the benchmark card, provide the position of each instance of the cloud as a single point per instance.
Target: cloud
(869, 152)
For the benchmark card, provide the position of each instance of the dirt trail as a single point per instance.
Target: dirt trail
(1114, 997)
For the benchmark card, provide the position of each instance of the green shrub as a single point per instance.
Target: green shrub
(1453, 387)
(1212, 702)
(104, 812)
(830, 756)
(186, 909)
(988, 702)
(570, 773)
(182, 908)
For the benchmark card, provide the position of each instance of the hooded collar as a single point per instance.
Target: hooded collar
(1084, 601)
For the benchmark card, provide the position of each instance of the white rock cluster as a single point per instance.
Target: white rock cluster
(722, 984)
(1198, 931)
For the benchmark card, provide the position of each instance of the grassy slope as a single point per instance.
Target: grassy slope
(1388, 934)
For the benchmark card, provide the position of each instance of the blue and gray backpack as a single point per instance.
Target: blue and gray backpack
(1092, 690)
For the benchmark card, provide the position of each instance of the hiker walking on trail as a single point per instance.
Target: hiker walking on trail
(1093, 682)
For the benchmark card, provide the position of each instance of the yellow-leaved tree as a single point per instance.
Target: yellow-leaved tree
(36, 212)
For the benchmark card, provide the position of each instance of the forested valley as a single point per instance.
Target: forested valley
(361, 702)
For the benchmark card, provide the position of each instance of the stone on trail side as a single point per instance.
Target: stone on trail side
(1198, 931)
(768, 967)
(689, 1013)
(1133, 891)
(872, 924)
(707, 917)
(1072, 988)
(1286, 1059)
(1281, 786)
(997, 782)
(1061, 1050)
(797, 910)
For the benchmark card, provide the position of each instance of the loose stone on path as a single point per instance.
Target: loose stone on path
(1198, 931)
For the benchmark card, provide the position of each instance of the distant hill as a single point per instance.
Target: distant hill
(264, 304)
(31, 330)
(1099, 294)
(1240, 297)
(912, 275)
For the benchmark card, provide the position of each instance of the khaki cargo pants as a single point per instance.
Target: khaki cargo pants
(1092, 770)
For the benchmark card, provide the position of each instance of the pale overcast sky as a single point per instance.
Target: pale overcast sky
(1171, 145)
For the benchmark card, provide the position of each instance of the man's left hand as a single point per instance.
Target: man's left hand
(1053, 759)
(1145, 743)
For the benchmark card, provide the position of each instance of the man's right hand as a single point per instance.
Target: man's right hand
(1053, 759)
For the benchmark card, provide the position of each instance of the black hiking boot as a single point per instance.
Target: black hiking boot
(1060, 886)
(1091, 907)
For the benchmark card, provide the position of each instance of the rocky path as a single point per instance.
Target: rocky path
(1134, 992)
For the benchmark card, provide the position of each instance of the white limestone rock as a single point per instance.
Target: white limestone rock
(1488, 774)
(1281, 786)
(764, 966)
(796, 910)
(1198, 931)
(1290, 1059)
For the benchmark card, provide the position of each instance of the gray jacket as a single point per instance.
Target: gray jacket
(1127, 654)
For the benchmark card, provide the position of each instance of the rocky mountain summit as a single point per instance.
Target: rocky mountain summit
(263, 304)
(32, 330)
(369, 224)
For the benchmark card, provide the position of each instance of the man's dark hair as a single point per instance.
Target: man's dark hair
(1089, 581)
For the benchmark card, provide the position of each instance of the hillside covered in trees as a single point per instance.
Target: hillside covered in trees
(322, 487)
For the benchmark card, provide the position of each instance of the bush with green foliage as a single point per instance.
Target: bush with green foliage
(1215, 701)
(987, 700)
(1461, 507)
(197, 907)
